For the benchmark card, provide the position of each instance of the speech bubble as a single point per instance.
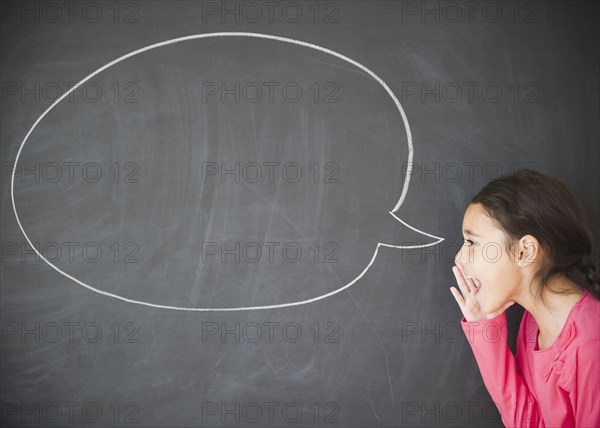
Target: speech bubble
(221, 35)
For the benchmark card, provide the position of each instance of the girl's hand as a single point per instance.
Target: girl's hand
(469, 306)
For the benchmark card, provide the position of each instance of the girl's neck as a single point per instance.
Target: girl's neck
(551, 317)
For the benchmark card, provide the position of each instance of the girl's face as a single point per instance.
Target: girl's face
(484, 258)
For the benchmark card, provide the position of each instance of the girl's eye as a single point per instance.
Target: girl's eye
(470, 242)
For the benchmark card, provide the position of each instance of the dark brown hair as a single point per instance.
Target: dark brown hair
(527, 202)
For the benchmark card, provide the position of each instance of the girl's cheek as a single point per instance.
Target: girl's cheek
(470, 254)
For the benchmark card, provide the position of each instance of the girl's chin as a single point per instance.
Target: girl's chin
(485, 305)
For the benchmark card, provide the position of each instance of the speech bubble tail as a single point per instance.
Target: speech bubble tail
(413, 243)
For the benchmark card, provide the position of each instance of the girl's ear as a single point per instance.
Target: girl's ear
(529, 249)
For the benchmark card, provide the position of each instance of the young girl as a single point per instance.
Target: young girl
(526, 242)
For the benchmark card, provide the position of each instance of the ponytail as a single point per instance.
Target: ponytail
(587, 267)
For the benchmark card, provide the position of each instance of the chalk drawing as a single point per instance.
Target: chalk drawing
(236, 34)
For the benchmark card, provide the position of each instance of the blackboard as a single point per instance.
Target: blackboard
(246, 213)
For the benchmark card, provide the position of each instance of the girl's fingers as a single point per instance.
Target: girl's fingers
(461, 280)
(458, 297)
(469, 281)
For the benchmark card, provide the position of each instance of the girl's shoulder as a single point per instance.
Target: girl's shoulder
(586, 317)
(579, 358)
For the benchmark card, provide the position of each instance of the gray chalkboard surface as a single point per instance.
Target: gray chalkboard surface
(246, 213)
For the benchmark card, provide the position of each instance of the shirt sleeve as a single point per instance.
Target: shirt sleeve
(503, 380)
(581, 379)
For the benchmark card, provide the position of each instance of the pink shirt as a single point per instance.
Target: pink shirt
(558, 386)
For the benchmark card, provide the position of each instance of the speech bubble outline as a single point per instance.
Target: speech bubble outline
(235, 34)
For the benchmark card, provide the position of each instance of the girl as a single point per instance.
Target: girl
(526, 242)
